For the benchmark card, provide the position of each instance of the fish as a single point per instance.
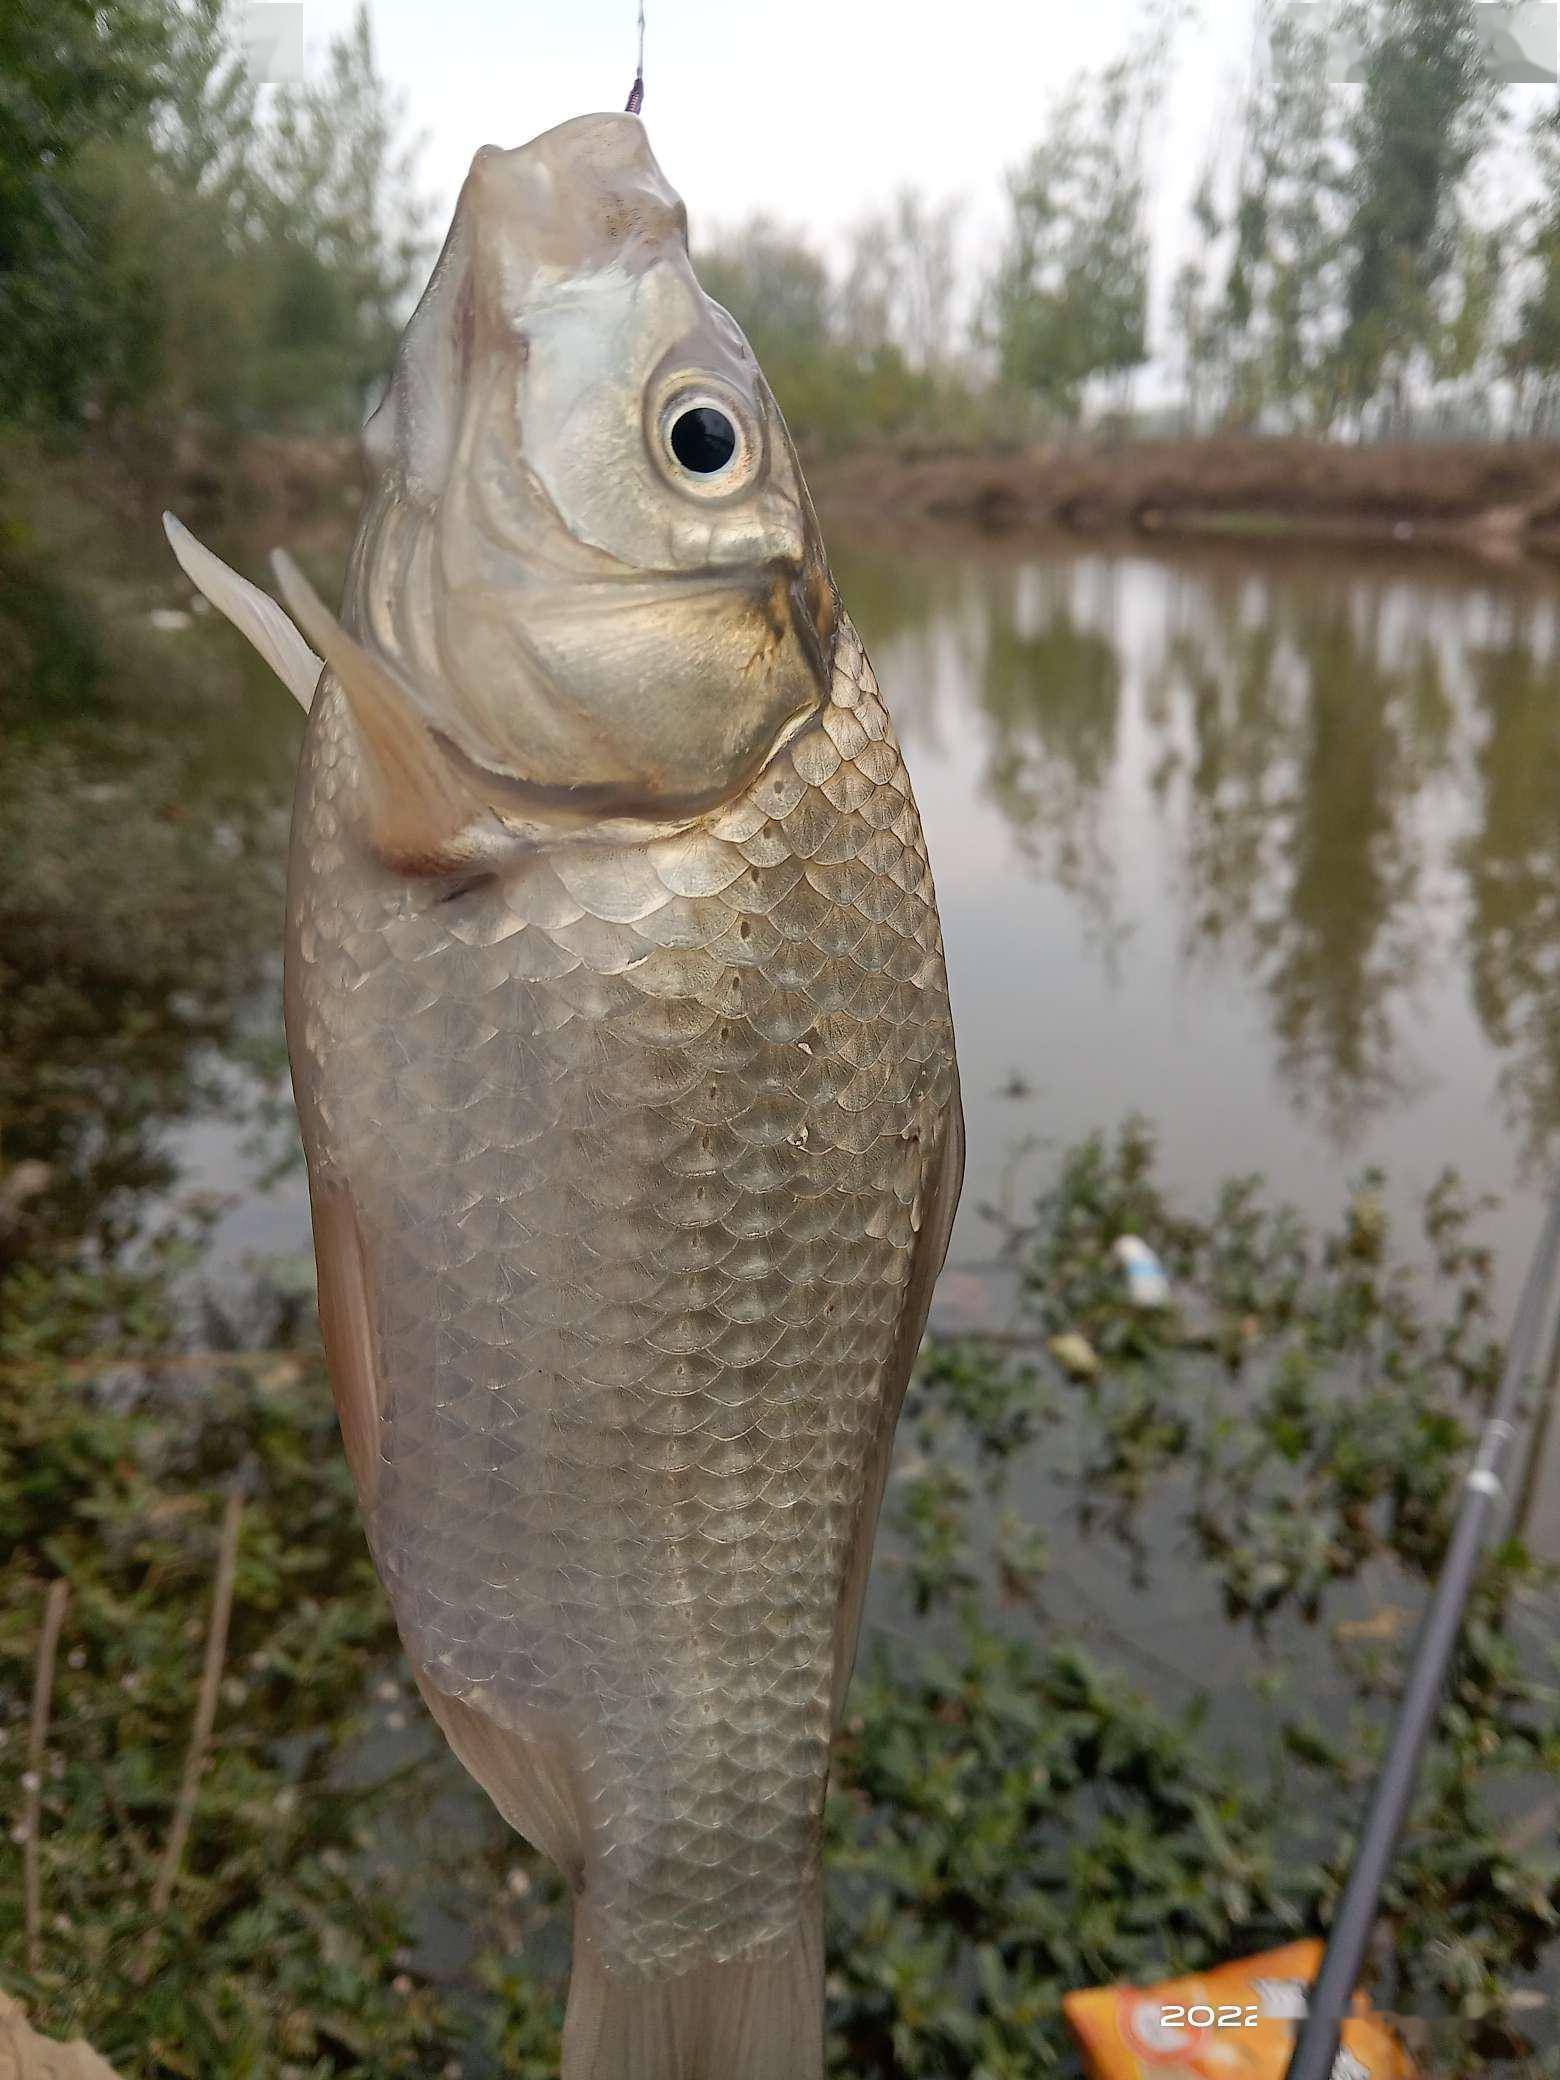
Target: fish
(620, 1034)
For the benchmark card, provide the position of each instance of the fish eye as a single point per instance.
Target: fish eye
(705, 436)
(703, 439)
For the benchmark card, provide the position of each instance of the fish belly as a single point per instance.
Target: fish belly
(636, 1140)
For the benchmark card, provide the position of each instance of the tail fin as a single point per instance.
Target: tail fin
(716, 2022)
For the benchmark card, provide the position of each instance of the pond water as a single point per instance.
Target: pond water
(1260, 841)
(1265, 844)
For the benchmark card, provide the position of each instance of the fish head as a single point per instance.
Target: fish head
(590, 561)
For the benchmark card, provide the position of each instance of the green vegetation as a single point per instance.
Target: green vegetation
(170, 251)
(1023, 1802)
(875, 355)
(1021, 1819)
(74, 75)
(179, 252)
(1347, 271)
(1069, 302)
(1033, 1792)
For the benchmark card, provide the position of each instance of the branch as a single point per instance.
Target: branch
(38, 1733)
(200, 1731)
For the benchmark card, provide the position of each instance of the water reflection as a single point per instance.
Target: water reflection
(1263, 842)
(1279, 856)
(142, 836)
(1050, 686)
(1512, 864)
(1312, 742)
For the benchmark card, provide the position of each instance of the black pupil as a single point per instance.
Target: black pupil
(703, 439)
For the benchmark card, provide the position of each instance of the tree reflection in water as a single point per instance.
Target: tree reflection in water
(1050, 689)
(1353, 766)
(1511, 861)
(142, 840)
(1313, 731)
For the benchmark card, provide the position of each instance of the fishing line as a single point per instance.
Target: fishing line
(636, 93)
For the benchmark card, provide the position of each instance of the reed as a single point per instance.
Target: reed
(37, 1757)
(200, 1731)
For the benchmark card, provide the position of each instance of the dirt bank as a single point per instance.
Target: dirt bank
(1501, 496)
(1497, 497)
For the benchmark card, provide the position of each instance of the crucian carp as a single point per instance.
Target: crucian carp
(620, 1036)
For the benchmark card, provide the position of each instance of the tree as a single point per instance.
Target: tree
(774, 285)
(206, 122)
(1253, 305)
(1460, 346)
(901, 280)
(1423, 119)
(70, 70)
(168, 249)
(840, 368)
(1532, 354)
(346, 235)
(1304, 156)
(1069, 303)
(1194, 321)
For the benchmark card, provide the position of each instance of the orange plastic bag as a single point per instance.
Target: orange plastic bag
(1236, 2022)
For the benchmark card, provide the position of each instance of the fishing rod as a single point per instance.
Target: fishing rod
(1317, 2047)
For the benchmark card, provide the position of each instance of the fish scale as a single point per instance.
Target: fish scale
(637, 1141)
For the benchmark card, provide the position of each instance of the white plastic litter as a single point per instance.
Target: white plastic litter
(1147, 1284)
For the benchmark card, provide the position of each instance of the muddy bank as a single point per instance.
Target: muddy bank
(1495, 495)
(212, 478)
(291, 476)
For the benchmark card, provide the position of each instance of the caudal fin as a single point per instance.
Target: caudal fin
(716, 2022)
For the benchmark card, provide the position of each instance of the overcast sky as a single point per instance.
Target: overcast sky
(816, 111)
(812, 109)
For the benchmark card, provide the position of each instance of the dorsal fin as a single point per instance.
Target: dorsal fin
(252, 612)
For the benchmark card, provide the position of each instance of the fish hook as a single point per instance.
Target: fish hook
(636, 93)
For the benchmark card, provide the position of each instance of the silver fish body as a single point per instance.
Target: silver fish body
(620, 1034)
(642, 1145)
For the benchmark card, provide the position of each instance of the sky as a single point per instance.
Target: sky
(817, 111)
(813, 110)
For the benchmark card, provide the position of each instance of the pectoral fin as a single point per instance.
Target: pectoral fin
(346, 1321)
(421, 810)
(252, 612)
